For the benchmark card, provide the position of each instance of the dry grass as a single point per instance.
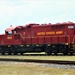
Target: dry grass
(68, 58)
(31, 69)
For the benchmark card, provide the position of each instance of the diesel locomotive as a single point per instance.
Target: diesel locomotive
(48, 38)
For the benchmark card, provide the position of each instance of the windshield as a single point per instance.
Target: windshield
(9, 33)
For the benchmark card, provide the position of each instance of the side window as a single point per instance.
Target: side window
(14, 32)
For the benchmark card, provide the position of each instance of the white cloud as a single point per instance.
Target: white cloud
(64, 17)
(18, 12)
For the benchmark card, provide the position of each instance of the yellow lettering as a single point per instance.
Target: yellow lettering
(59, 32)
(38, 33)
(48, 33)
(41, 33)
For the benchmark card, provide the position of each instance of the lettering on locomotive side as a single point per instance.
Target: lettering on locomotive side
(41, 33)
(59, 32)
(50, 33)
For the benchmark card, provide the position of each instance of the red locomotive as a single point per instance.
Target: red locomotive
(48, 38)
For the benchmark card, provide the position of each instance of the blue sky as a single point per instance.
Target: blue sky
(22, 12)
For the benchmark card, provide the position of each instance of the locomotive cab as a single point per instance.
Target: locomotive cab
(10, 31)
(10, 36)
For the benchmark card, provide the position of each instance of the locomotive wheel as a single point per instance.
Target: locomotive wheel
(48, 51)
(65, 53)
(15, 53)
(9, 53)
(71, 53)
(55, 53)
(3, 53)
(21, 53)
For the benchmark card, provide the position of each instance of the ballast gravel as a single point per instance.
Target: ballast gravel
(59, 66)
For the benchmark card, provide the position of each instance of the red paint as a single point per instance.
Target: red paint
(40, 34)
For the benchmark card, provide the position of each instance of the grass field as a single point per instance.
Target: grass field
(31, 69)
(68, 58)
(16, 68)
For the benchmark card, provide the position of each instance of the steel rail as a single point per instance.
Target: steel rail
(39, 61)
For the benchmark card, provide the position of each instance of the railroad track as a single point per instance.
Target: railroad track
(39, 61)
(38, 55)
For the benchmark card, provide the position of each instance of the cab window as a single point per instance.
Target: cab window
(14, 32)
(9, 33)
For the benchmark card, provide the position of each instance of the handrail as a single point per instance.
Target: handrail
(48, 37)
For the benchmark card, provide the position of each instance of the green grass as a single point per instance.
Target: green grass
(32, 69)
(68, 58)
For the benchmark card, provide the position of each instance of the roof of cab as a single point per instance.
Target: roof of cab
(10, 28)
